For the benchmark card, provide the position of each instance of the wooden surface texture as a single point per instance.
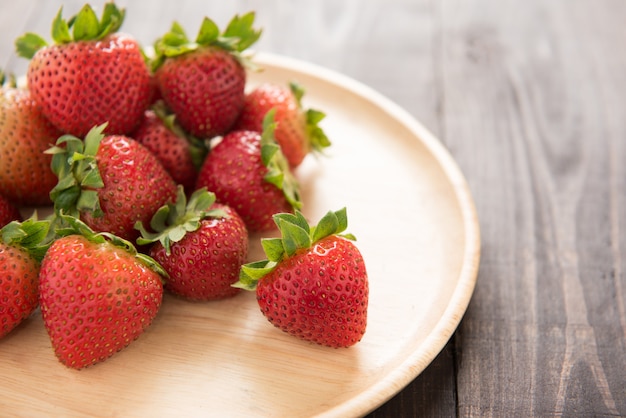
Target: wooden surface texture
(529, 97)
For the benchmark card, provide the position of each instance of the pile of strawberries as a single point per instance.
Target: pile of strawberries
(158, 167)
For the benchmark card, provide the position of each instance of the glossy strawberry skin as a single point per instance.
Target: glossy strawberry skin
(206, 262)
(85, 83)
(171, 150)
(233, 170)
(319, 294)
(290, 131)
(204, 88)
(96, 299)
(135, 185)
(8, 212)
(18, 286)
(25, 175)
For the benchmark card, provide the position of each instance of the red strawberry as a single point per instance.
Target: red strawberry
(90, 76)
(25, 175)
(97, 294)
(8, 212)
(181, 154)
(297, 129)
(248, 172)
(200, 244)
(203, 82)
(314, 284)
(21, 249)
(110, 181)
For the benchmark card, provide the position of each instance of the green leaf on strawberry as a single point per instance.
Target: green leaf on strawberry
(173, 220)
(237, 37)
(296, 234)
(60, 29)
(74, 163)
(317, 138)
(29, 43)
(84, 26)
(278, 171)
(241, 29)
(208, 33)
(66, 225)
(32, 235)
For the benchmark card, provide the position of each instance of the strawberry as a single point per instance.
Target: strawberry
(203, 82)
(25, 175)
(248, 172)
(297, 130)
(200, 244)
(110, 182)
(22, 246)
(97, 294)
(314, 283)
(90, 75)
(8, 211)
(181, 154)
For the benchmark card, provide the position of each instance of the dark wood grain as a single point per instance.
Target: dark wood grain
(541, 84)
(530, 99)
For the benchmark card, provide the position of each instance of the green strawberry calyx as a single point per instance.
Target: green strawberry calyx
(316, 136)
(75, 165)
(84, 26)
(238, 36)
(174, 220)
(296, 234)
(66, 225)
(278, 172)
(30, 235)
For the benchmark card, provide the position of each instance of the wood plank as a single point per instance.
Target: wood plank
(432, 394)
(542, 86)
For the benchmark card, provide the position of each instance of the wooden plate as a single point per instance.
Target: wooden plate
(410, 208)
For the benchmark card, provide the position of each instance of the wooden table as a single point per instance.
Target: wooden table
(530, 99)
